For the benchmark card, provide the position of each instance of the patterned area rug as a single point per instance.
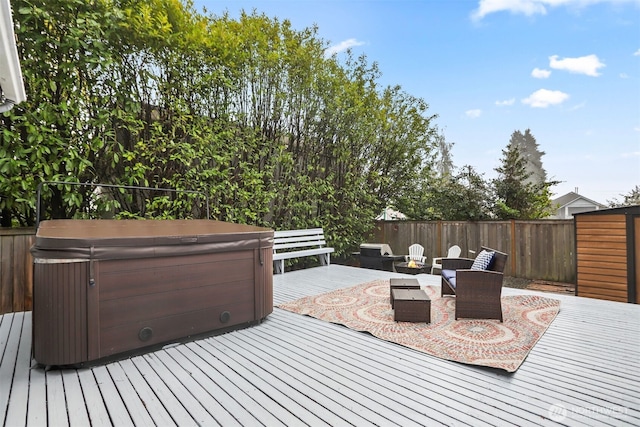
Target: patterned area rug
(504, 345)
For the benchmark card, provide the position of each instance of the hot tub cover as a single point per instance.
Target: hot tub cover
(122, 239)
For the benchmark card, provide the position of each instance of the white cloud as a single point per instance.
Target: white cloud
(636, 53)
(506, 102)
(632, 154)
(342, 46)
(473, 114)
(624, 75)
(531, 7)
(543, 98)
(526, 7)
(582, 65)
(540, 74)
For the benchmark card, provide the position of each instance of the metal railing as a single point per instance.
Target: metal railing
(126, 187)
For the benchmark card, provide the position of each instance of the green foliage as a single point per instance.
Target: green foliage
(249, 111)
(59, 131)
(464, 196)
(632, 198)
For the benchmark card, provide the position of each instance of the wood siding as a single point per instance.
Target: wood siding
(602, 257)
(542, 249)
(636, 224)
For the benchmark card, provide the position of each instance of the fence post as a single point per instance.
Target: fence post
(513, 248)
(439, 251)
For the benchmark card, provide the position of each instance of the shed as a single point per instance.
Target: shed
(608, 254)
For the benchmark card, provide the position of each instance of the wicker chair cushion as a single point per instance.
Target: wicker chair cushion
(450, 275)
(482, 261)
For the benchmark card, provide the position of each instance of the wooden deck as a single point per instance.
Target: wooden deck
(294, 370)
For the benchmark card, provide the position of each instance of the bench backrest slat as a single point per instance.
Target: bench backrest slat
(289, 239)
(294, 233)
(315, 243)
(297, 239)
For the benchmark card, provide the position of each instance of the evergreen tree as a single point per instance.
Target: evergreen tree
(511, 186)
(516, 196)
(529, 150)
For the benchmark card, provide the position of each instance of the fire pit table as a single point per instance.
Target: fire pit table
(403, 267)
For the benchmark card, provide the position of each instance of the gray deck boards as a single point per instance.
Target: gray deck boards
(294, 370)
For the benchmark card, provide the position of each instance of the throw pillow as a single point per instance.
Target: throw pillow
(482, 261)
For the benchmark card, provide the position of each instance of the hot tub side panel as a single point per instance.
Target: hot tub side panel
(152, 301)
(60, 312)
(264, 282)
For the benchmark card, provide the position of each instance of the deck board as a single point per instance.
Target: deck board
(17, 405)
(163, 393)
(294, 370)
(96, 408)
(169, 374)
(139, 385)
(116, 407)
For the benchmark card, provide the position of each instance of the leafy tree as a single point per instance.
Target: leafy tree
(60, 130)
(632, 198)
(151, 93)
(463, 196)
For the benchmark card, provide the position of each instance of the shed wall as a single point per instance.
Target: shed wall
(601, 250)
(636, 225)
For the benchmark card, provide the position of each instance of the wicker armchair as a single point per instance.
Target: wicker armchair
(477, 292)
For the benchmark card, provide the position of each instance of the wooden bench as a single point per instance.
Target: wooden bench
(288, 244)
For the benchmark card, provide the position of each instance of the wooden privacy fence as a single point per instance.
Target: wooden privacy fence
(543, 249)
(16, 269)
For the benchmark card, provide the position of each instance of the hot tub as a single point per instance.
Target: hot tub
(107, 288)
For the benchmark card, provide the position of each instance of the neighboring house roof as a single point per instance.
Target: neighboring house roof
(571, 203)
(571, 197)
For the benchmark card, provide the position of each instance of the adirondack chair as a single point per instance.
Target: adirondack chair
(454, 252)
(415, 253)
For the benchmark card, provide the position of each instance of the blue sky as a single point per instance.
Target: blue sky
(569, 70)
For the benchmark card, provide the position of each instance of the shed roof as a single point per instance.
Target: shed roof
(624, 210)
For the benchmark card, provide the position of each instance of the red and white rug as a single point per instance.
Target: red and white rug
(482, 342)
